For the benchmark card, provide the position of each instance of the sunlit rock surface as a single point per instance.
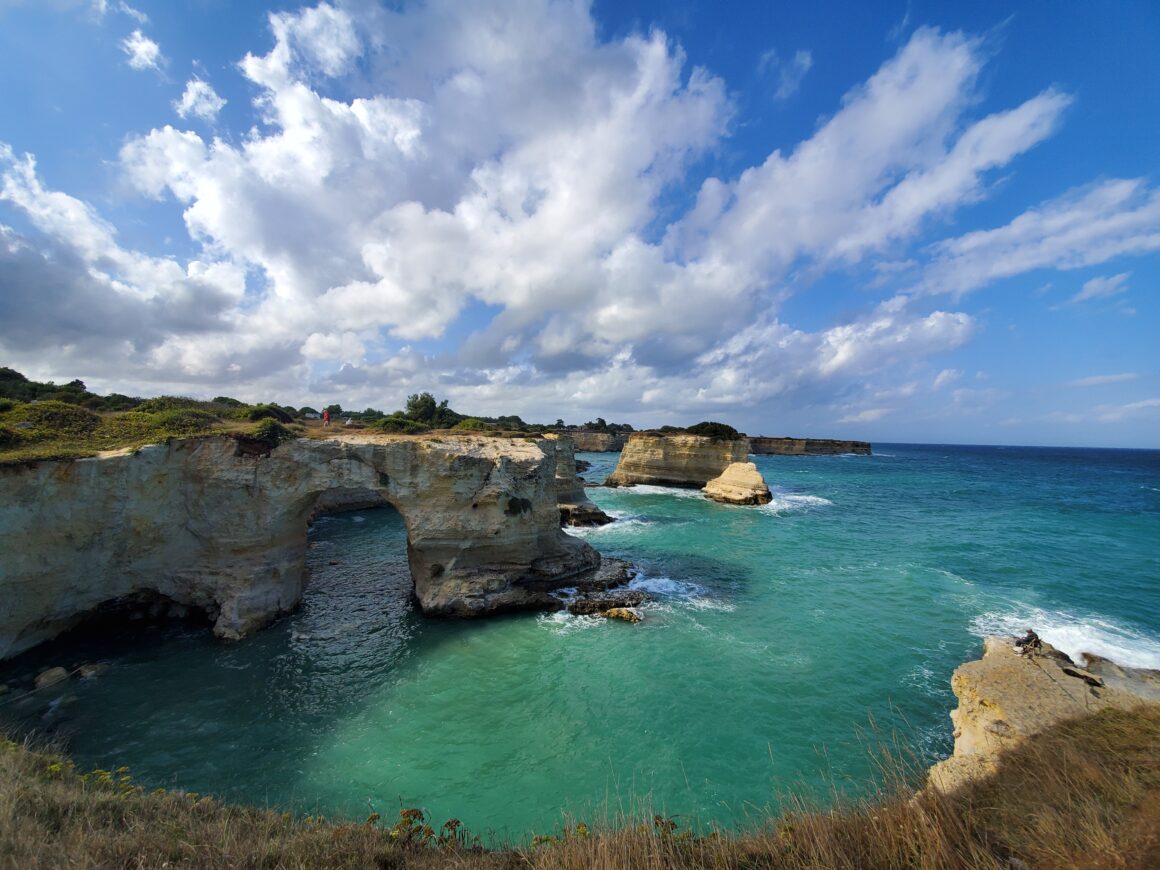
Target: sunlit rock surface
(675, 459)
(1005, 697)
(576, 509)
(740, 483)
(206, 527)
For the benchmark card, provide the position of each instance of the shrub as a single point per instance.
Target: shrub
(168, 403)
(472, 424)
(184, 420)
(6, 405)
(714, 430)
(271, 432)
(10, 438)
(272, 412)
(59, 419)
(401, 424)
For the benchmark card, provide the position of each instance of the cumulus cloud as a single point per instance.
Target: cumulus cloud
(143, 52)
(199, 100)
(1116, 413)
(500, 171)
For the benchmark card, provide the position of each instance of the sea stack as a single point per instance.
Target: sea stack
(740, 483)
(677, 459)
(575, 507)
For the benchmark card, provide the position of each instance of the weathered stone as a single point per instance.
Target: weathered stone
(598, 442)
(1006, 697)
(806, 447)
(50, 677)
(206, 528)
(598, 605)
(575, 507)
(92, 670)
(622, 613)
(740, 483)
(675, 460)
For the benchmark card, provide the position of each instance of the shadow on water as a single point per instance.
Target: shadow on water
(196, 713)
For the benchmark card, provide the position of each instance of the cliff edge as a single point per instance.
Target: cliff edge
(209, 525)
(1010, 695)
(676, 459)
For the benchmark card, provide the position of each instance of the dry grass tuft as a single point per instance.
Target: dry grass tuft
(1084, 794)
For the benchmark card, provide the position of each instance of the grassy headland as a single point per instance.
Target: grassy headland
(1083, 794)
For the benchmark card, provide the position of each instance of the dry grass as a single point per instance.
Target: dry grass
(1085, 794)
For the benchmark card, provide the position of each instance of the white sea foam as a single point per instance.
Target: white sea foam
(787, 502)
(649, 489)
(1075, 635)
(563, 622)
(358, 519)
(665, 586)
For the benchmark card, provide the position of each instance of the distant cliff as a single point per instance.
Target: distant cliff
(598, 442)
(207, 526)
(806, 447)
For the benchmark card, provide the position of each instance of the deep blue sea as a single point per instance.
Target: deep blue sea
(781, 640)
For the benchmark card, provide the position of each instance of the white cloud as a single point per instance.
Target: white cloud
(946, 376)
(143, 52)
(1082, 228)
(1103, 380)
(789, 74)
(1101, 288)
(868, 415)
(1116, 413)
(199, 100)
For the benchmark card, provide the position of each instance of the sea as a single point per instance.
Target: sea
(783, 647)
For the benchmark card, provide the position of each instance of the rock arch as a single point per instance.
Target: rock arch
(195, 521)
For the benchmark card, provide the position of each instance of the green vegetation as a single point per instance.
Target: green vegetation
(714, 430)
(1085, 793)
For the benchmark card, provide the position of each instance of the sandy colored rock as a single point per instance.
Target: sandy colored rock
(762, 446)
(740, 483)
(576, 509)
(675, 460)
(1005, 697)
(207, 528)
(623, 613)
(50, 677)
(598, 442)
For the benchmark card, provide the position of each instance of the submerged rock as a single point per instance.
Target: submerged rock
(740, 483)
(613, 601)
(92, 670)
(625, 613)
(50, 677)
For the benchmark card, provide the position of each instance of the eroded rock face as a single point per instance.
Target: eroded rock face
(208, 528)
(806, 447)
(1005, 697)
(576, 509)
(675, 460)
(598, 442)
(740, 483)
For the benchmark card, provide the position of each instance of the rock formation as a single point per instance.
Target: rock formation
(1006, 697)
(761, 446)
(676, 459)
(576, 509)
(208, 528)
(598, 442)
(740, 483)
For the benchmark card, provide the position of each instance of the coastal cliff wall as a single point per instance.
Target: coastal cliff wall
(806, 447)
(675, 459)
(195, 521)
(576, 509)
(598, 442)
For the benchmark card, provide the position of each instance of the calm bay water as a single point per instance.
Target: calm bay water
(776, 636)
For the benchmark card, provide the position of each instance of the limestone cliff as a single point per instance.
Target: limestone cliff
(740, 483)
(1005, 697)
(576, 509)
(806, 447)
(598, 442)
(207, 527)
(676, 459)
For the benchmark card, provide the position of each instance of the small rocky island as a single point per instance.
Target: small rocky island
(716, 465)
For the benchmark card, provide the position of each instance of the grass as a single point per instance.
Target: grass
(1084, 794)
(47, 430)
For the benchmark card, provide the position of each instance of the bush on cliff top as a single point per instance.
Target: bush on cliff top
(714, 430)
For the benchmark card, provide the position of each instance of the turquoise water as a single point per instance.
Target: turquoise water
(777, 635)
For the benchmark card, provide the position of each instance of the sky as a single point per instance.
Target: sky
(892, 221)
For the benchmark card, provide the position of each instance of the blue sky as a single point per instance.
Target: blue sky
(892, 221)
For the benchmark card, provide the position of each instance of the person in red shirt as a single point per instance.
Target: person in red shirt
(326, 418)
